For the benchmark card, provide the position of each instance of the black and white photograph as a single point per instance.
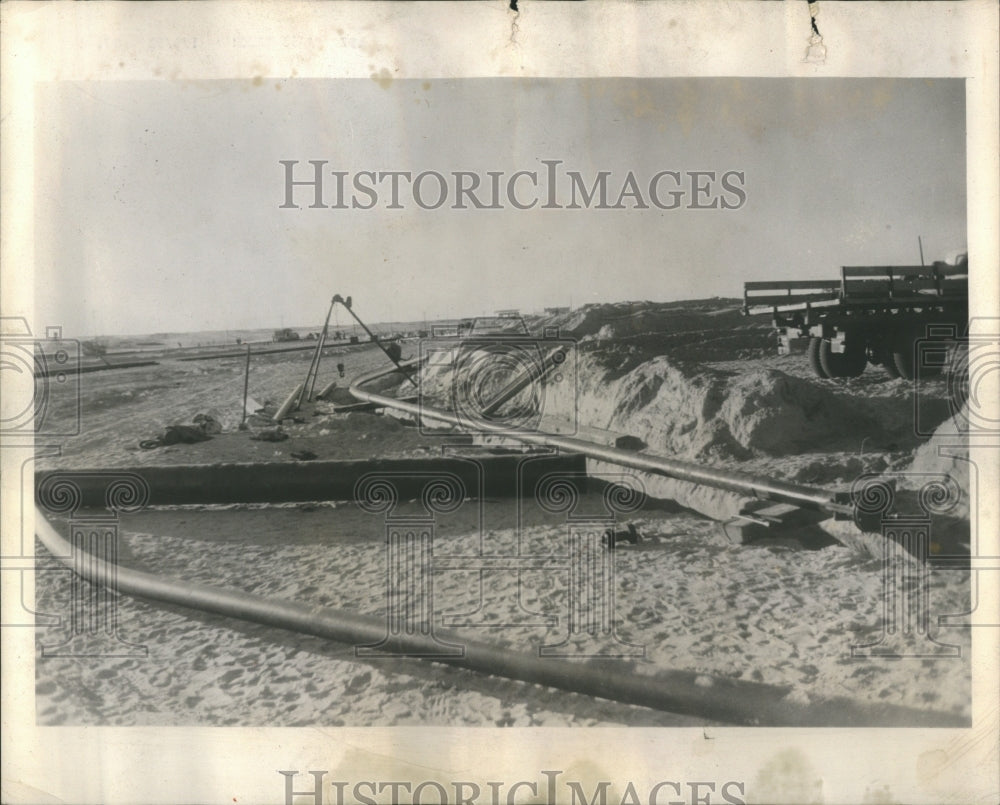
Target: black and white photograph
(378, 432)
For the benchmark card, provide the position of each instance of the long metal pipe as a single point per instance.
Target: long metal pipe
(532, 374)
(683, 692)
(731, 480)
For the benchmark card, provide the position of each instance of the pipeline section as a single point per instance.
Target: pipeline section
(682, 692)
(742, 483)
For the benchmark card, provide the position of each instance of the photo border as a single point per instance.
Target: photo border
(189, 41)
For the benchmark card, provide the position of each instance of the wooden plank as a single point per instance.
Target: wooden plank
(918, 283)
(780, 285)
(778, 301)
(867, 288)
(946, 284)
(886, 271)
(784, 310)
(914, 300)
(882, 282)
(912, 271)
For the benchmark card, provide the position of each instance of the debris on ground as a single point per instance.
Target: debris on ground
(209, 424)
(205, 426)
(270, 435)
(612, 539)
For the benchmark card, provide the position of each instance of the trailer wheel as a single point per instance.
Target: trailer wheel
(888, 361)
(905, 358)
(849, 363)
(814, 361)
(902, 357)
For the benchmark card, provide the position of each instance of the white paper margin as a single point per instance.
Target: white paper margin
(190, 41)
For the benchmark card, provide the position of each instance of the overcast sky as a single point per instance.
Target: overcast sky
(158, 203)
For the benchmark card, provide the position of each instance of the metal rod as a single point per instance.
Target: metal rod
(684, 692)
(315, 374)
(526, 378)
(310, 381)
(731, 480)
(246, 388)
(373, 337)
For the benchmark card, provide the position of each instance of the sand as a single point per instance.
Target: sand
(777, 613)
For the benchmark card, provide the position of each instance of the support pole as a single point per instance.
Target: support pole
(310, 382)
(403, 368)
(315, 373)
(246, 390)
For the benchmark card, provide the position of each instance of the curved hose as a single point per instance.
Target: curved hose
(683, 692)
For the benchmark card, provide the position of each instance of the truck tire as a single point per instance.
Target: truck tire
(888, 361)
(902, 357)
(905, 356)
(814, 361)
(850, 363)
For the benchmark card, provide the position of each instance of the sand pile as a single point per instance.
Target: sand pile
(702, 330)
(682, 409)
(625, 319)
(935, 481)
(693, 412)
(709, 416)
(641, 368)
(946, 453)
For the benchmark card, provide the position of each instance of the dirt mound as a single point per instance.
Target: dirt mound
(626, 319)
(579, 322)
(697, 413)
(687, 410)
(703, 330)
(776, 413)
(946, 453)
(935, 482)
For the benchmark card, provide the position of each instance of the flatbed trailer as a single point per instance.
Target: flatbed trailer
(896, 317)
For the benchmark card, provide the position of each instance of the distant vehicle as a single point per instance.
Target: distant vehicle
(354, 340)
(286, 334)
(888, 316)
(492, 326)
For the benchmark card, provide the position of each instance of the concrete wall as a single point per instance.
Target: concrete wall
(493, 475)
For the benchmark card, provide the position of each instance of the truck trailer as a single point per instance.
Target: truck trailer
(888, 316)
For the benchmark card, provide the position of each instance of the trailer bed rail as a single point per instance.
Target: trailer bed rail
(862, 286)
